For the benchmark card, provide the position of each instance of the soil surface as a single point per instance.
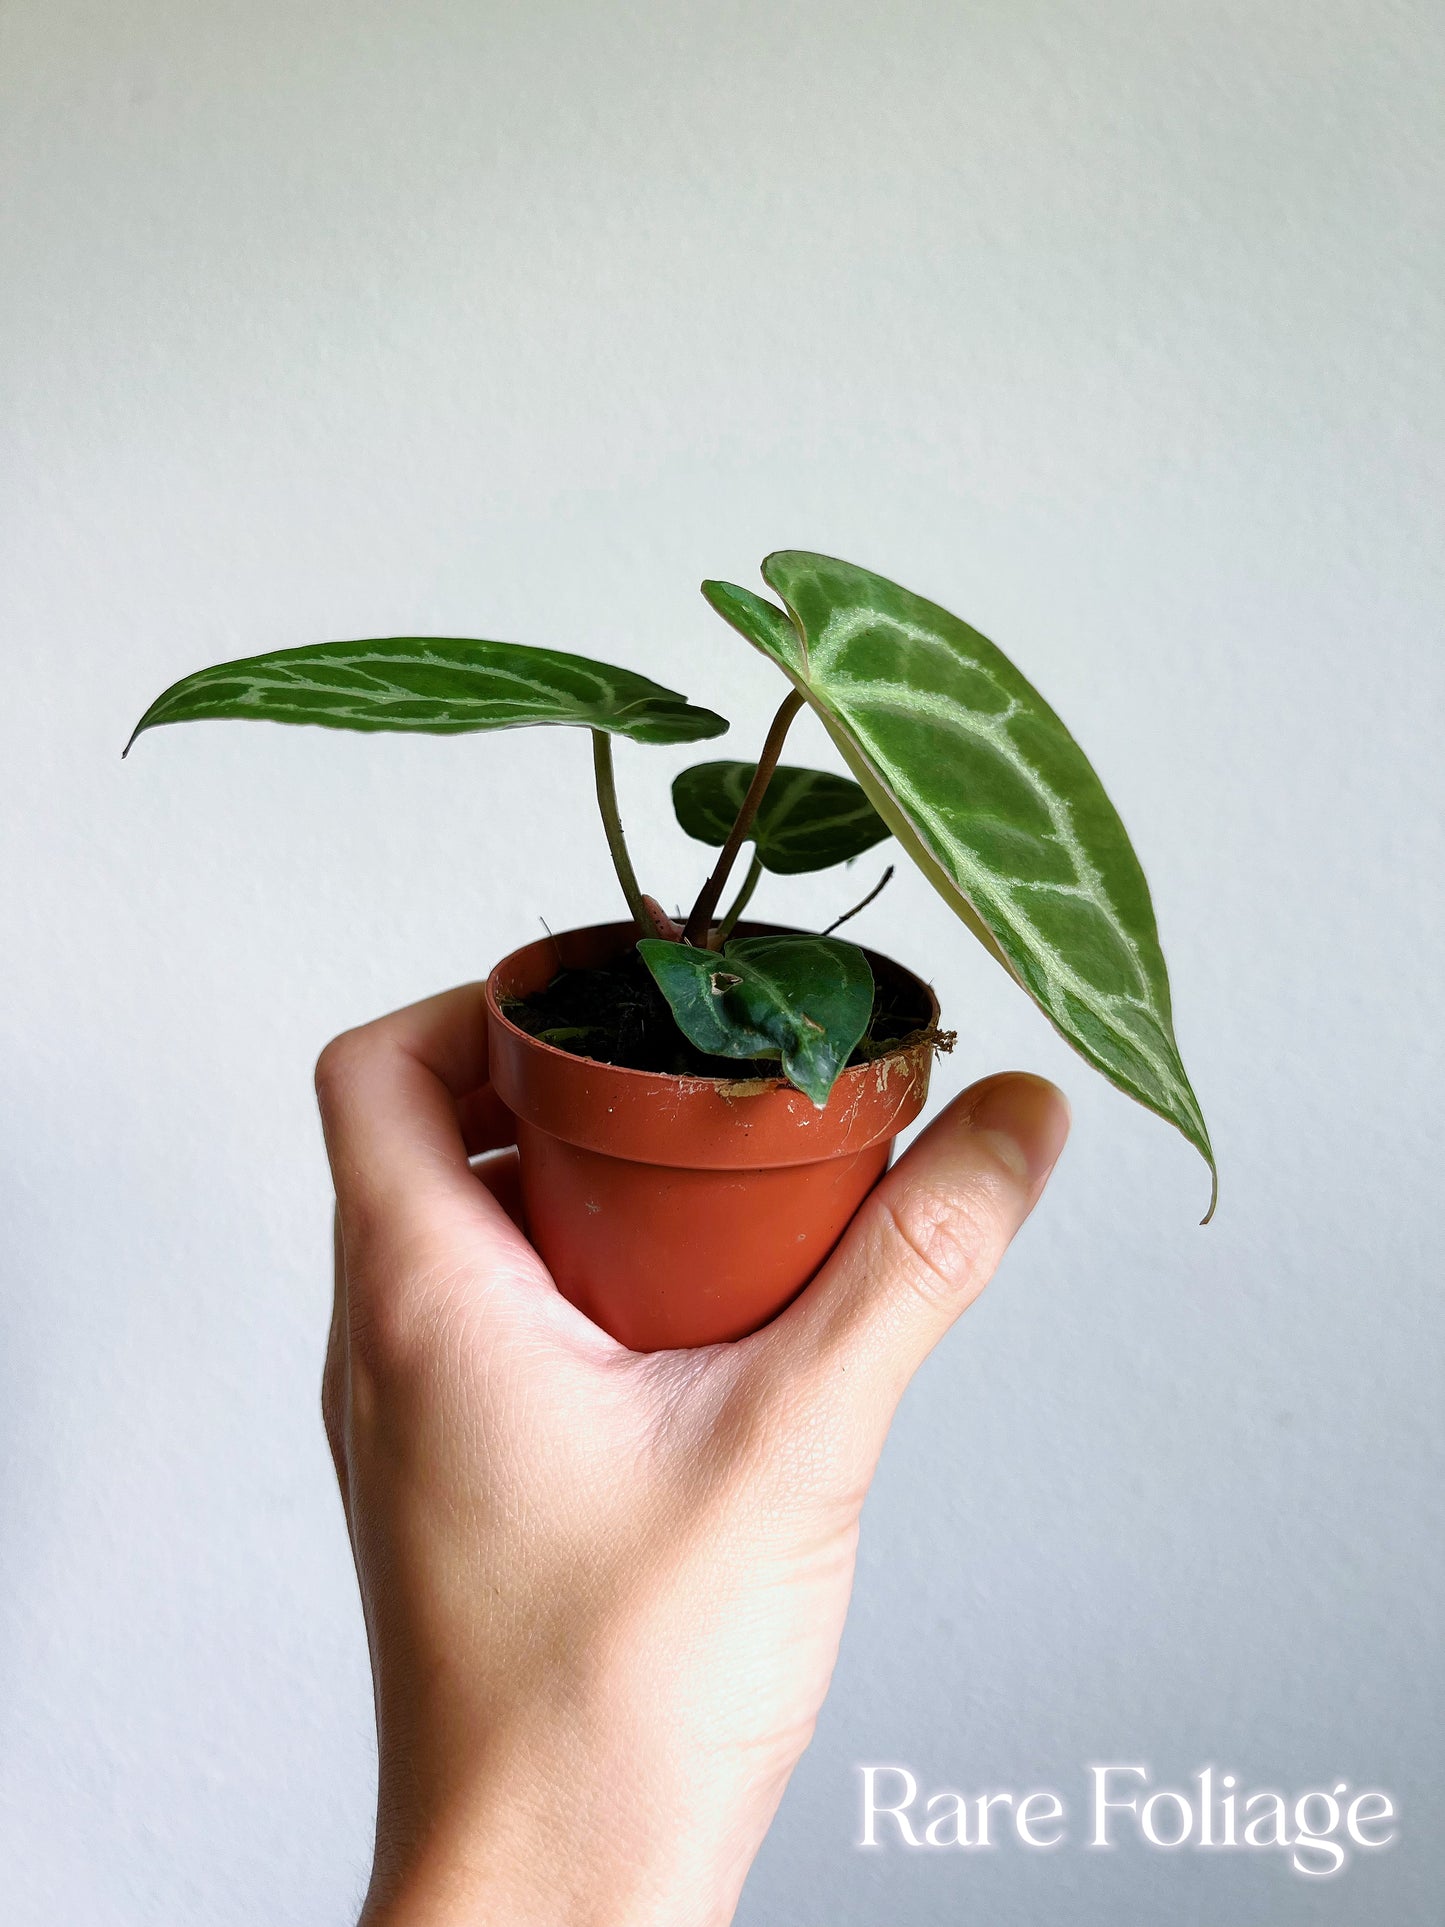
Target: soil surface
(616, 1014)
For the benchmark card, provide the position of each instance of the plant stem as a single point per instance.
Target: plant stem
(612, 824)
(741, 901)
(701, 915)
(847, 915)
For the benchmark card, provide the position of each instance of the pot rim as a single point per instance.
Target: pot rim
(668, 1118)
(746, 927)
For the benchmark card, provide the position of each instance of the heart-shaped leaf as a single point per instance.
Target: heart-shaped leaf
(994, 800)
(443, 685)
(806, 1000)
(809, 819)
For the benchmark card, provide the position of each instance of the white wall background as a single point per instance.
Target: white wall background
(1114, 326)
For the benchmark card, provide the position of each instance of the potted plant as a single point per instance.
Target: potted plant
(702, 1103)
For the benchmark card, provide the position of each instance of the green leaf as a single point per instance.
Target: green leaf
(992, 798)
(804, 999)
(809, 819)
(443, 685)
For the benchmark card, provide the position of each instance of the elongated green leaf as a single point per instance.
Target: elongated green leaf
(442, 685)
(809, 819)
(994, 800)
(803, 999)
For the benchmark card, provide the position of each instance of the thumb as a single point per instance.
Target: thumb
(926, 1241)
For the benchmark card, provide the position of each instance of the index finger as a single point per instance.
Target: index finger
(388, 1094)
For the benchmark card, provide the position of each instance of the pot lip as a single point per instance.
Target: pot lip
(746, 927)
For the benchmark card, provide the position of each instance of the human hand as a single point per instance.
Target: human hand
(604, 1590)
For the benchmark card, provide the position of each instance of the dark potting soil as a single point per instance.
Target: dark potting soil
(616, 1014)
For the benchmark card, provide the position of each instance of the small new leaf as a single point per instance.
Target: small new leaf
(440, 685)
(805, 1000)
(809, 819)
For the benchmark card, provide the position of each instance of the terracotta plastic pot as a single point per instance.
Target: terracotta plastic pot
(681, 1211)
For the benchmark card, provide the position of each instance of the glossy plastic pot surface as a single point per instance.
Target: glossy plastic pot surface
(681, 1211)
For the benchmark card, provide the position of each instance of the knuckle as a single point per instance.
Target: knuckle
(335, 1065)
(331, 1414)
(384, 1336)
(402, 1320)
(334, 1417)
(941, 1241)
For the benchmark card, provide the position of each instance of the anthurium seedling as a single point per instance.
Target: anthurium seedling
(951, 751)
(804, 1000)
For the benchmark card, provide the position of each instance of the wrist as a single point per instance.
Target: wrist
(466, 1884)
(553, 1833)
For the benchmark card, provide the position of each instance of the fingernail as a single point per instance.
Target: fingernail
(1026, 1120)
